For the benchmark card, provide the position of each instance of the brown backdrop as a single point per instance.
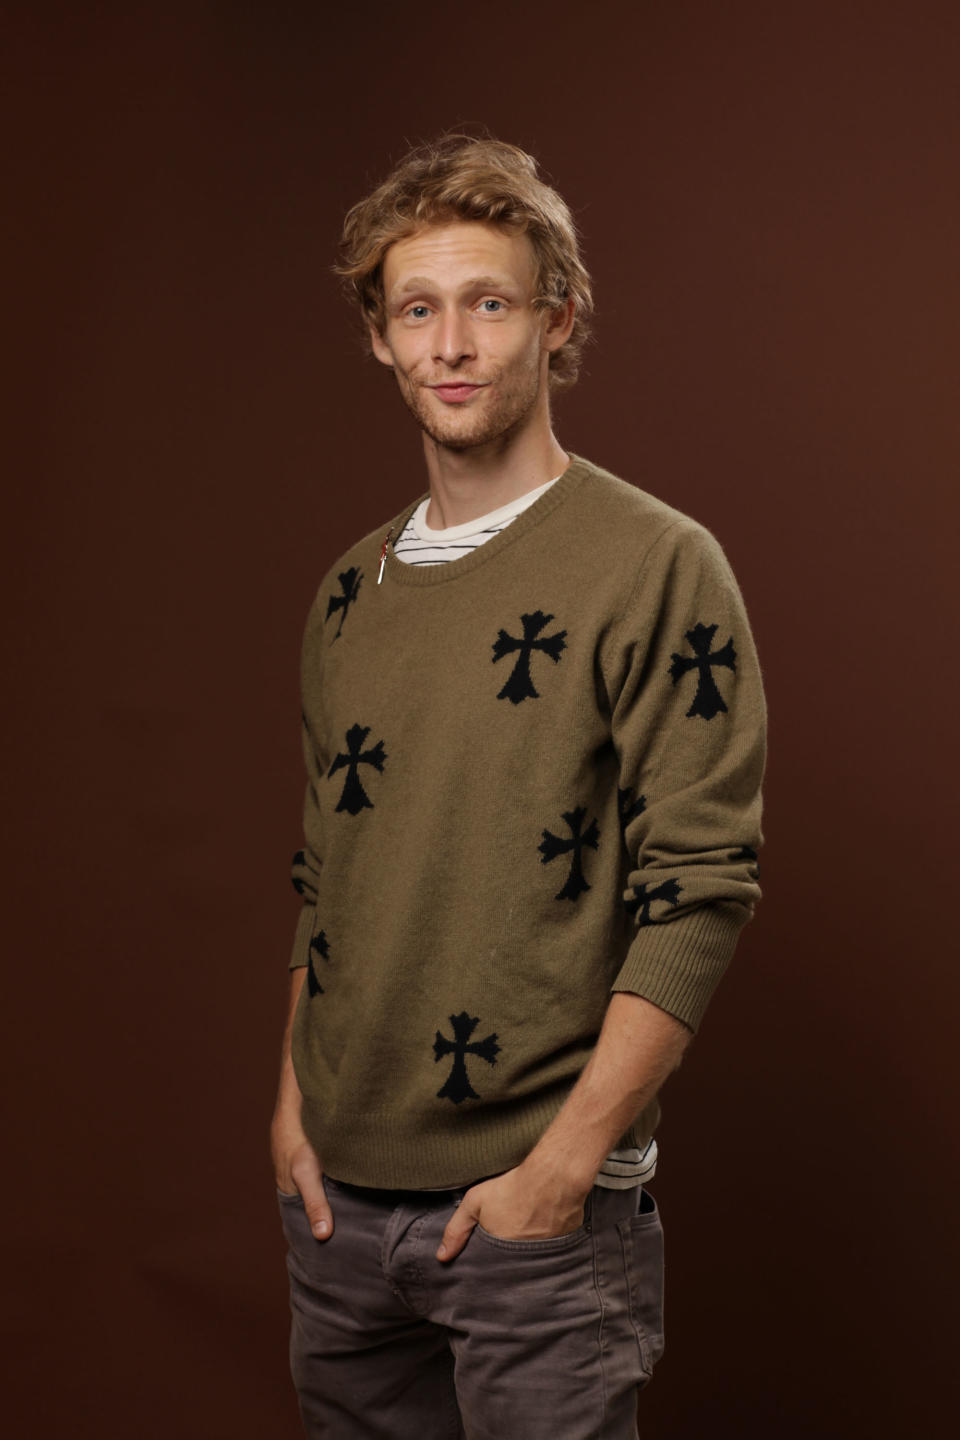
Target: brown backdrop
(768, 196)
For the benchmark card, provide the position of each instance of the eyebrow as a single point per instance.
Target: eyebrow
(420, 282)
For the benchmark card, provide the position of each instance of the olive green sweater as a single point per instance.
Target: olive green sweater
(533, 778)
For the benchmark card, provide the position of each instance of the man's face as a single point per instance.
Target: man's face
(468, 349)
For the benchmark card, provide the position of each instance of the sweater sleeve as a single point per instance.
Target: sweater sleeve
(689, 725)
(306, 864)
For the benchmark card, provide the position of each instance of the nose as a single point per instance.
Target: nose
(452, 338)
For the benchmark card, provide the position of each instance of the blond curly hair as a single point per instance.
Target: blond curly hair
(462, 177)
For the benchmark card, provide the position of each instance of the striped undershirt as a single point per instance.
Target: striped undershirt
(418, 544)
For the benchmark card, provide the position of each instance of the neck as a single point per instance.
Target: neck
(465, 484)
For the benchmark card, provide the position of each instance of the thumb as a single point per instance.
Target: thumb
(314, 1196)
(459, 1228)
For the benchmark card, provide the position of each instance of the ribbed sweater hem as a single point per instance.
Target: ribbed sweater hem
(374, 1150)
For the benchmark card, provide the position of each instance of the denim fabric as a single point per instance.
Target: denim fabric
(512, 1340)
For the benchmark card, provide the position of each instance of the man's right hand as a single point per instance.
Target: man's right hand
(297, 1170)
(296, 1165)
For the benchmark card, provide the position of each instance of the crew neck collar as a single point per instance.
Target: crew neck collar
(507, 511)
(556, 492)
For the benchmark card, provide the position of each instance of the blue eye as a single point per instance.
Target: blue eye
(492, 302)
(416, 307)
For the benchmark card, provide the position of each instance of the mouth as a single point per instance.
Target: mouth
(454, 394)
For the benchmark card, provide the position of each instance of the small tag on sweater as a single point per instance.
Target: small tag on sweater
(383, 553)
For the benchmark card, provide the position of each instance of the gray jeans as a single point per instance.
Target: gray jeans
(512, 1340)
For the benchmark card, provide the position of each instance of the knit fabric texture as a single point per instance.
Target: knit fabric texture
(533, 779)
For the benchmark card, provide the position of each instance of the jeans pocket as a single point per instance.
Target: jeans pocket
(548, 1246)
(641, 1240)
(295, 1197)
(551, 1243)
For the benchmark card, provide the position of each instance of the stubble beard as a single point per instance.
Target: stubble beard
(503, 413)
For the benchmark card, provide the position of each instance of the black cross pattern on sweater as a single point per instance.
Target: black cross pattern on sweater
(349, 586)
(300, 859)
(551, 846)
(457, 1085)
(707, 701)
(644, 896)
(519, 684)
(628, 808)
(747, 852)
(319, 945)
(354, 798)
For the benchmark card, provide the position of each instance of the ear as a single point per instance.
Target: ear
(379, 346)
(559, 324)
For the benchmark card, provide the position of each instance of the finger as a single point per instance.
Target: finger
(458, 1231)
(316, 1205)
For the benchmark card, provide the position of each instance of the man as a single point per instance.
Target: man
(533, 730)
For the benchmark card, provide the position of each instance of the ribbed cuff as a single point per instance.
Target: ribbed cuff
(677, 964)
(302, 936)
